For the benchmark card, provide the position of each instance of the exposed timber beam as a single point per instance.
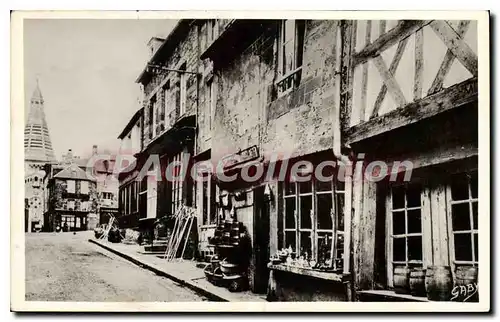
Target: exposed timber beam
(454, 96)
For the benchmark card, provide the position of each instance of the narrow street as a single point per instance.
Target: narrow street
(66, 267)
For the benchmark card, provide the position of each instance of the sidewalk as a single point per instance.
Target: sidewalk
(183, 272)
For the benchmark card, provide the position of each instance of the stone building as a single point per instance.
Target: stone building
(37, 151)
(170, 84)
(285, 97)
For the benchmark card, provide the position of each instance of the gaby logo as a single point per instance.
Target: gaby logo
(464, 293)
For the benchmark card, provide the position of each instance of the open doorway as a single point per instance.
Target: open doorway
(261, 240)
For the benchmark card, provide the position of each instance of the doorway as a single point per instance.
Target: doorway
(261, 240)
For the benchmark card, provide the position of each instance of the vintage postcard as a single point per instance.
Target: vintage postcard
(247, 162)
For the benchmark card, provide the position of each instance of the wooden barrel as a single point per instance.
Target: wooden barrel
(417, 281)
(402, 279)
(438, 283)
(467, 276)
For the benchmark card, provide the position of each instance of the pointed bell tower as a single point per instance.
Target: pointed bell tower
(37, 145)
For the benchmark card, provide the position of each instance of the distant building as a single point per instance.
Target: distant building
(72, 195)
(37, 152)
(131, 211)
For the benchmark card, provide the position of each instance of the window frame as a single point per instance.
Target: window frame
(154, 118)
(183, 90)
(292, 76)
(87, 189)
(73, 184)
(176, 187)
(472, 232)
(166, 112)
(209, 203)
(424, 234)
(337, 262)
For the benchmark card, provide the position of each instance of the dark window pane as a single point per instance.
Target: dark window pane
(415, 248)
(459, 187)
(414, 221)
(340, 211)
(463, 247)
(398, 197)
(289, 188)
(324, 211)
(474, 215)
(290, 240)
(413, 195)
(398, 223)
(305, 187)
(324, 247)
(476, 246)
(473, 184)
(460, 216)
(399, 249)
(289, 212)
(323, 185)
(305, 212)
(340, 185)
(305, 245)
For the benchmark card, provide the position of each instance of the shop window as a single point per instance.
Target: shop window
(290, 51)
(406, 221)
(70, 188)
(313, 222)
(463, 218)
(406, 237)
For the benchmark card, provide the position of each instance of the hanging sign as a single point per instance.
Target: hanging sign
(241, 157)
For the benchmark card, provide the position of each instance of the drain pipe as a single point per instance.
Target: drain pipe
(346, 162)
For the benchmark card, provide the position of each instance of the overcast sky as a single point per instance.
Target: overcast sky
(87, 71)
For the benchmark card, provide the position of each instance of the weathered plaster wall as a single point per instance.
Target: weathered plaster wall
(248, 112)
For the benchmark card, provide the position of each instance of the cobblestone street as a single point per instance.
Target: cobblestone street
(66, 267)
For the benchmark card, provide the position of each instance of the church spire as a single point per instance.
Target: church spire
(37, 94)
(37, 143)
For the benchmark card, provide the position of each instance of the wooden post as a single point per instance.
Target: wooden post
(357, 207)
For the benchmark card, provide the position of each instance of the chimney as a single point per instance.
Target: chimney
(153, 44)
(94, 149)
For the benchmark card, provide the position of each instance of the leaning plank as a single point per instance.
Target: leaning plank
(454, 96)
(456, 44)
(392, 69)
(389, 81)
(449, 57)
(404, 29)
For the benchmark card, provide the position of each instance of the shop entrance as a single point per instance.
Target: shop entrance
(261, 240)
